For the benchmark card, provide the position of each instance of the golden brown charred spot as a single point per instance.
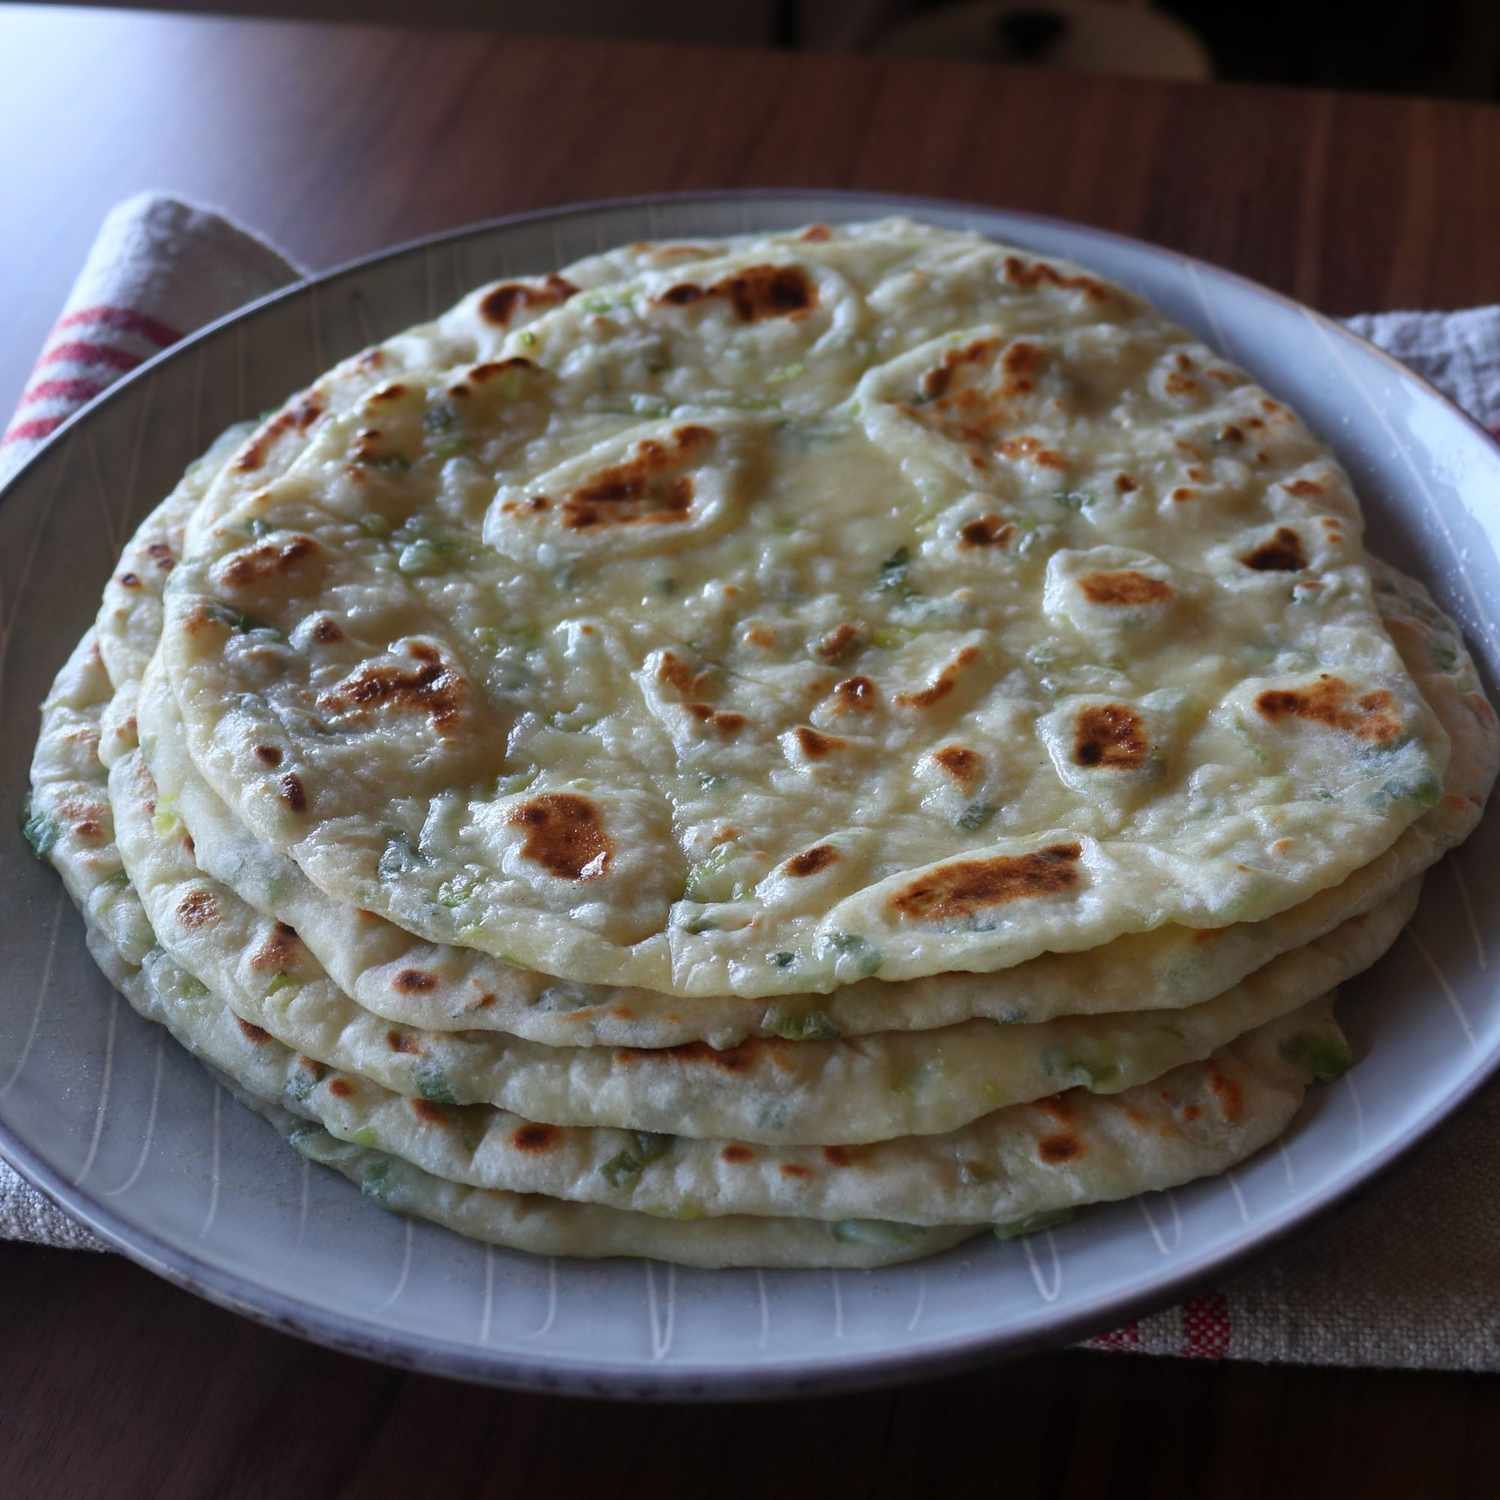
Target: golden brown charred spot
(646, 489)
(342, 1088)
(840, 643)
(268, 560)
(161, 555)
(431, 686)
(938, 381)
(1331, 701)
(536, 1138)
(1227, 1092)
(756, 293)
(1125, 587)
(564, 835)
(371, 359)
(1058, 1106)
(299, 417)
(816, 233)
(737, 1059)
(1231, 434)
(810, 861)
(793, 1169)
(1037, 273)
(495, 367)
(392, 392)
(1306, 488)
(1183, 492)
(1125, 485)
(965, 766)
(292, 792)
(986, 531)
(268, 755)
(761, 636)
(679, 674)
(855, 695)
(484, 1002)
(428, 1112)
(837, 1156)
(197, 909)
(1032, 448)
(326, 630)
(280, 950)
(1055, 1149)
(1281, 554)
(414, 982)
(403, 1041)
(128, 581)
(1110, 737)
(253, 1033)
(817, 746)
(941, 685)
(736, 1154)
(1181, 385)
(725, 722)
(972, 886)
(499, 305)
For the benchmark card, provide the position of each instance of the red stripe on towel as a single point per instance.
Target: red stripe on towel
(82, 352)
(64, 390)
(35, 429)
(127, 320)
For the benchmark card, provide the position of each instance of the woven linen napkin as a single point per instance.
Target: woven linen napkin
(1371, 1285)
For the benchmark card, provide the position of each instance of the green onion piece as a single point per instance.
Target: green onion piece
(1323, 1054)
(433, 1084)
(40, 831)
(975, 816)
(883, 1233)
(1033, 1224)
(806, 1026)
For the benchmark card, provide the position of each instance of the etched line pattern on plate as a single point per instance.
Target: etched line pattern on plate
(1239, 1196)
(921, 1303)
(1048, 1288)
(1171, 1241)
(1466, 901)
(132, 503)
(405, 1273)
(102, 493)
(150, 1133)
(42, 991)
(214, 1175)
(304, 1194)
(1359, 1110)
(661, 1312)
(101, 1106)
(1441, 979)
(550, 1316)
(10, 606)
(487, 1313)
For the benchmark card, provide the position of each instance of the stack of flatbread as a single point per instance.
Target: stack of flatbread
(786, 751)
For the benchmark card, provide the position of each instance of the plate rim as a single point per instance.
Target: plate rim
(802, 1374)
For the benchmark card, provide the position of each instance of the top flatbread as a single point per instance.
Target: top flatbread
(869, 605)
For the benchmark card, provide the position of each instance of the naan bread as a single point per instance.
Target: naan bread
(875, 605)
(398, 976)
(463, 1167)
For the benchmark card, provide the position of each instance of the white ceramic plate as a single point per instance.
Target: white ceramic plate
(113, 1120)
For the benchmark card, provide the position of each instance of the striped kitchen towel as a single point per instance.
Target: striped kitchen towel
(159, 269)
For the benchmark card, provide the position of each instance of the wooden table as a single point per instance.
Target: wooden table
(336, 141)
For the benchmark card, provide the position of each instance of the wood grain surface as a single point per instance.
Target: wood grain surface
(336, 141)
